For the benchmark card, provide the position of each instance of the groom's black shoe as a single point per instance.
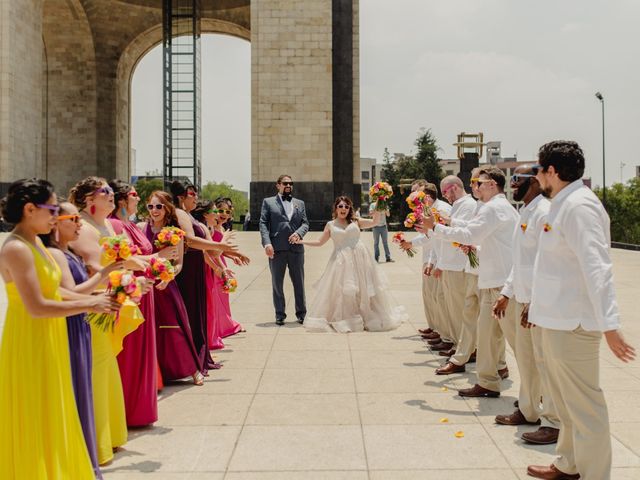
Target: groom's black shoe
(301, 321)
(279, 321)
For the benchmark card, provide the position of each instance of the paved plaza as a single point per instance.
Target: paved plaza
(295, 405)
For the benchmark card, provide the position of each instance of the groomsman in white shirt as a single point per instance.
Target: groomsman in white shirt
(428, 282)
(491, 229)
(457, 281)
(533, 382)
(573, 302)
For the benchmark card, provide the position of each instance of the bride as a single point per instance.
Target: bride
(352, 293)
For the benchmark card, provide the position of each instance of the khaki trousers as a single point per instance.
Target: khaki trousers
(468, 331)
(573, 366)
(454, 293)
(530, 383)
(442, 312)
(428, 300)
(549, 415)
(491, 337)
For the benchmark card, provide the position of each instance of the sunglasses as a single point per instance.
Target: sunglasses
(447, 189)
(133, 194)
(106, 190)
(287, 184)
(151, 206)
(473, 181)
(53, 209)
(516, 177)
(484, 180)
(191, 193)
(343, 206)
(221, 211)
(74, 218)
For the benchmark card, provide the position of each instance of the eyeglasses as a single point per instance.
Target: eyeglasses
(133, 194)
(287, 184)
(74, 218)
(53, 209)
(106, 190)
(151, 206)
(518, 176)
(343, 206)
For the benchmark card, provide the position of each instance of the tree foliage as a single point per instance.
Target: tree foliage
(144, 187)
(623, 206)
(213, 190)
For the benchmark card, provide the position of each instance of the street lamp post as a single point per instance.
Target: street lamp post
(604, 178)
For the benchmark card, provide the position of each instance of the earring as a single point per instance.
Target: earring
(92, 209)
(56, 235)
(123, 212)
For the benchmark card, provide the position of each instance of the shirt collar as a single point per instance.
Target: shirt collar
(461, 199)
(533, 203)
(568, 190)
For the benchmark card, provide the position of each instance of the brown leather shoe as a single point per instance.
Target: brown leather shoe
(549, 473)
(447, 353)
(449, 368)
(542, 436)
(478, 391)
(504, 373)
(425, 331)
(442, 346)
(431, 336)
(434, 341)
(516, 418)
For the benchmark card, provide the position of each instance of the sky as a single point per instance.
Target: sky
(523, 73)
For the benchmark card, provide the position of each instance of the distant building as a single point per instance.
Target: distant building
(369, 173)
(450, 166)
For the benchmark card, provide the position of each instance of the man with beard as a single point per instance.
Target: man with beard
(573, 302)
(528, 351)
(283, 222)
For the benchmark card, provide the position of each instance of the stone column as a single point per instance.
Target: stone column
(300, 103)
(21, 100)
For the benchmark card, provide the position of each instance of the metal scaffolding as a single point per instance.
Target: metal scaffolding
(181, 87)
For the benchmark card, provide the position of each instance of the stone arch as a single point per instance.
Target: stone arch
(129, 59)
(69, 93)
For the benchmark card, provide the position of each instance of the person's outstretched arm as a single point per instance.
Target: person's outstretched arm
(324, 238)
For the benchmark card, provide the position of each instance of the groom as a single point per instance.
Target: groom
(283, 221)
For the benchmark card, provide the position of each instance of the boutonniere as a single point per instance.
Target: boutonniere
(547, 227)
(523, 226)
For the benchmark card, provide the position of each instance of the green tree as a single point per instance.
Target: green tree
(213, 190)
(426, 159)
(623, 206)
(144, 187)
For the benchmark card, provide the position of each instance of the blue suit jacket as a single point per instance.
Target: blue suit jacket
(275, 226)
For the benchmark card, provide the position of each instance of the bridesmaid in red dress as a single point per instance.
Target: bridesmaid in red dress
(138, 361)
(176, 352)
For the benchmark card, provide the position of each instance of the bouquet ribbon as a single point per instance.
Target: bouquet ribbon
(129, 319)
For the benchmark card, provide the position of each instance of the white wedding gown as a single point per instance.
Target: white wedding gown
(352, 294)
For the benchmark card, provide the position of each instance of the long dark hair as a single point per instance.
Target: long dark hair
(202, 208)
(347, 200)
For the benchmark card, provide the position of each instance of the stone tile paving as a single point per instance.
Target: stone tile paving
(295, 405)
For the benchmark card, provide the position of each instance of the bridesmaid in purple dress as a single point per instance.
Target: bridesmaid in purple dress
(176, 352)
(75, 278)
(138, 361)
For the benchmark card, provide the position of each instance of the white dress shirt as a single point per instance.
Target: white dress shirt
(449, 257)
(468, 268)
(288, 207)
(430, 244)
(525, 247)
(572, 273)
(492, 230)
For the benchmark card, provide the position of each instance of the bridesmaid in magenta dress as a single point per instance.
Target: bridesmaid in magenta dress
(137, 361)
(215, 219)
(176, 352)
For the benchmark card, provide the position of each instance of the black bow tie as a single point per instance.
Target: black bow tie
(286, 197)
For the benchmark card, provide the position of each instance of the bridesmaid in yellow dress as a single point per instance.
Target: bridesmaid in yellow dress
(94, 198)
(41, 436)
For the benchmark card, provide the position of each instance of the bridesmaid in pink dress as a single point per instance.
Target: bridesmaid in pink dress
(137, 361)
(215, 214)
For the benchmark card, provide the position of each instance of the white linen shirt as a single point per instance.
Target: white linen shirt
(572, 273)
(449, 257)
(525, 247)
(430, 244)
(492, 230)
